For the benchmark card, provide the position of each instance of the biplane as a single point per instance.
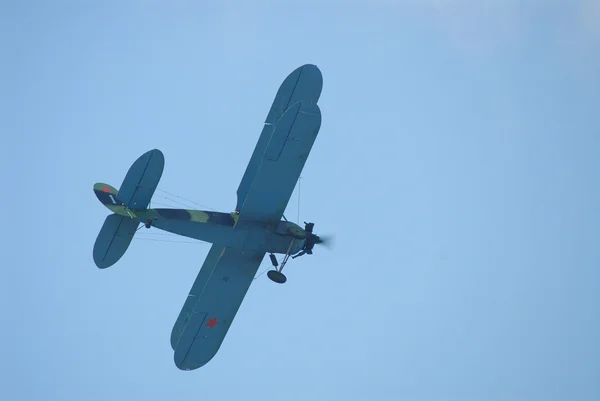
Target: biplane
(240, 239)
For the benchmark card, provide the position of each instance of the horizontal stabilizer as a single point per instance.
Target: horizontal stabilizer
(142, 179)
(113, 240)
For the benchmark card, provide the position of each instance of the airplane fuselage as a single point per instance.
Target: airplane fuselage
(224, 229)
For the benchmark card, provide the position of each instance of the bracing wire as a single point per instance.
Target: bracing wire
(145, 233)
(264, 271)
(164, 204)
(168, 196)
(189, 201)
(298, 217)
(167, 240)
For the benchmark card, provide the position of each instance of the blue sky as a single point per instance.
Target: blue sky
(457, 164)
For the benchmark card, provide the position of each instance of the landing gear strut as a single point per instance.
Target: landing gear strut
(276, 275)
(310, 241)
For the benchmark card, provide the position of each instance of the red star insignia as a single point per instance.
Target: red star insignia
(106, 189)
(211, 322)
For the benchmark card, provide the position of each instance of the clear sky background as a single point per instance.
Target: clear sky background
(457, 164)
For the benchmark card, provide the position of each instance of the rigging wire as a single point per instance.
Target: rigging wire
(187, 205)
(167, 240)
(184, 242)
(264, 271)
(180, 242)
(164, 204)
(162, 234)
(167, 194)
(299, 187)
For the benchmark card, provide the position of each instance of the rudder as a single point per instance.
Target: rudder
(108, 196)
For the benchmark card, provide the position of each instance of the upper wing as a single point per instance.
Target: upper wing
(212, 305)
(283, 161)
(304, 83)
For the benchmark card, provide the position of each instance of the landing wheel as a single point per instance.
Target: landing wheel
(277, 276)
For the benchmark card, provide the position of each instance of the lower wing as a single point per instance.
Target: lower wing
(212, 304)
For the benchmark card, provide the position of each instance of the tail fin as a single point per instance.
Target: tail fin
(107, 195)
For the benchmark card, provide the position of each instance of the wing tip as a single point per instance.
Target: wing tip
(157, 153)
(310, 67)
(186, 364)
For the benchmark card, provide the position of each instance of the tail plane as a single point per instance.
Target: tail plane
(135, 193)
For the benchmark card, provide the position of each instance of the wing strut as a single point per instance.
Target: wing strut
(298, 218)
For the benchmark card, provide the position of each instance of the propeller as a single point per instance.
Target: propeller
(313, 239)
(325, 240)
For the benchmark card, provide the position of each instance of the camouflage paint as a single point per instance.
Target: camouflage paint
(108, 196)
(214, 227)
(239, 244)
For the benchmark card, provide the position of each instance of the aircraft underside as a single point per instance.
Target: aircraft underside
(240, 240)
(222, 230)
